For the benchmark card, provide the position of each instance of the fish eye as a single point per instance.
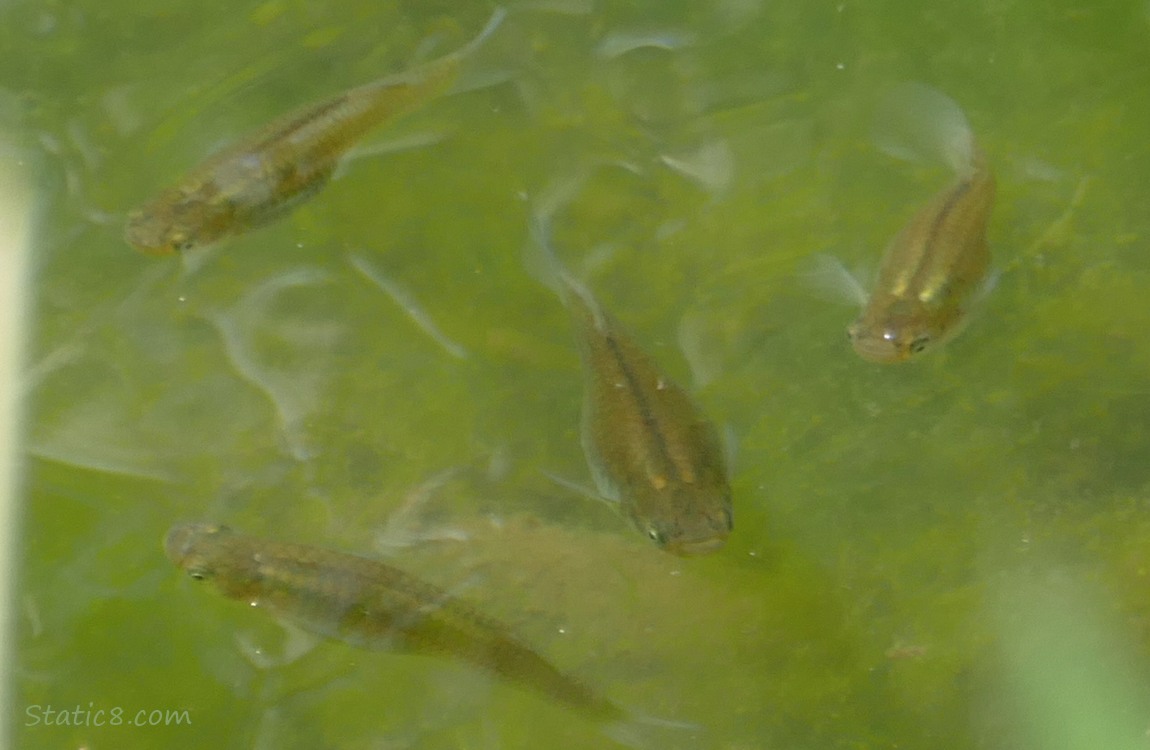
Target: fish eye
(179, 241)
(656, 536)
(197, 574)
(919, 343)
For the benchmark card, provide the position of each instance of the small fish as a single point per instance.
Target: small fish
(934, 268)
(370, 605)
(268, 174)
(647, 443)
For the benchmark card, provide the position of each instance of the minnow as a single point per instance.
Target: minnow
(933, 269)
(268, 174)
(648, 445)
(367, 604)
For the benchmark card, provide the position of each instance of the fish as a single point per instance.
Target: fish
(266, 175)
(648, 445)
(370, 605)
(937, 266)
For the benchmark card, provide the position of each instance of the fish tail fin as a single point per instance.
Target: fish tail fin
(493, 23)
(539, 255)
(441, 74)
(916, 122)
(449, 65)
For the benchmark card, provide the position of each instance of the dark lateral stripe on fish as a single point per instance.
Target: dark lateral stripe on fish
(956, 194)
(635, 390)
(305, 120)
(939, 222)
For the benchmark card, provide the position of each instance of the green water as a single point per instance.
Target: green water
(950, 553)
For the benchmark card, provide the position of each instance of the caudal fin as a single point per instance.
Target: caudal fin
(423, 53)
(488, 29)
(442, 75)
(539, 256)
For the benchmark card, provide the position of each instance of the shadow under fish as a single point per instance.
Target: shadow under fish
(268, 174)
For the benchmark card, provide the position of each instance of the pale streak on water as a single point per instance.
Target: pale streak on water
(403, 527)
(618, 43)
(697, 342)
(72, 349)
(408, 303)
(394, 145)
(293, 395)
(85, 436)
(711, 165)
(296, 643)
(71, 447)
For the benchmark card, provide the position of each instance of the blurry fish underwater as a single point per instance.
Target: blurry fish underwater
(936, 267)
(268, 174)
(370, 605)
(648, 445)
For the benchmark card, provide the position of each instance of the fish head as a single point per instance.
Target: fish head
(893, 334)
(172, 223)
(696, 522)
(201, 550)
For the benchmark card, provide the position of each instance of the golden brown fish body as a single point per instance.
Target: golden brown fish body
(936, 266)
(268, 174)
(369, 605)
(648, 444)
(930, 273)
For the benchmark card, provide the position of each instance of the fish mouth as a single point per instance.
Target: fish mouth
(876, 349)
(139, 234)
(696, 547)
(144, 233)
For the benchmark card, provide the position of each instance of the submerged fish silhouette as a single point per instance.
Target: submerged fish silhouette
(268, 174)
(368, 604)
(647, 444)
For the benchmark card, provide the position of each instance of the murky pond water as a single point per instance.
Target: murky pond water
(952, 551)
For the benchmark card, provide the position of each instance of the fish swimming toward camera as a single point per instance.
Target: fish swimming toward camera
(268, 174)
(648, 445)
(370, 605)
(936, 267)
